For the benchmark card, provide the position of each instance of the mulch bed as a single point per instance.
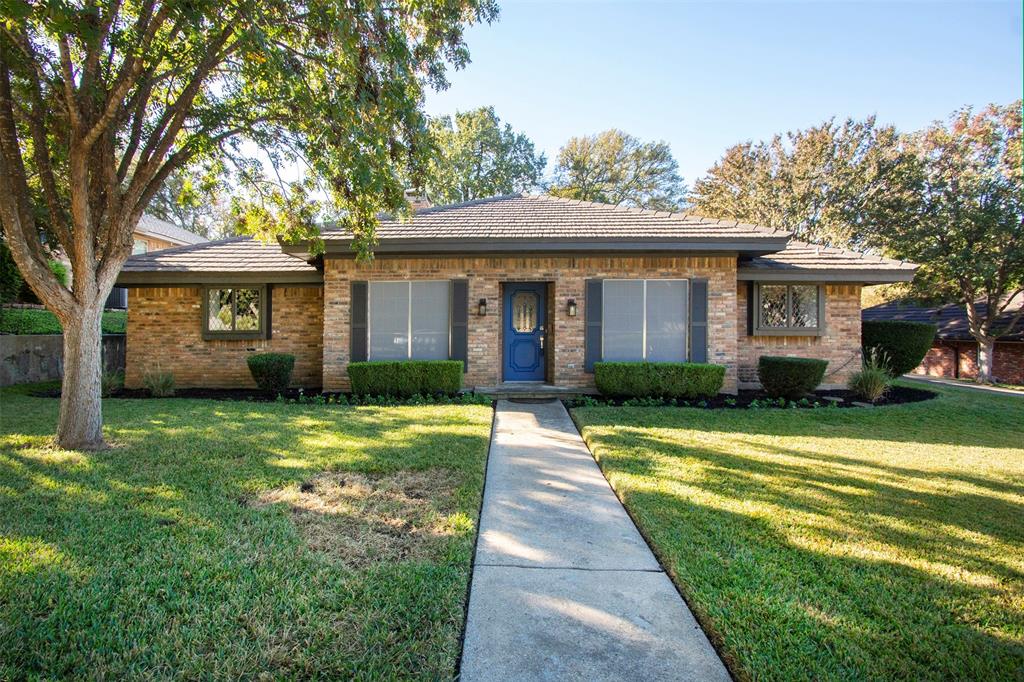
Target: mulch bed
(896, 395)
(238, 394)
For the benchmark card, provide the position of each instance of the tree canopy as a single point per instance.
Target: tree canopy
(614, 167)
(101, 102)
(476, 156)
(821, 183)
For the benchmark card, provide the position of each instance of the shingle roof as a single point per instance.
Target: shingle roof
(951, 319)
(161, 229)
(225, 256)
(544, 217)
(804, 261)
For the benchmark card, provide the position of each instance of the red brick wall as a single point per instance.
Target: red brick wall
(165, 331)
(942, 358)
(567, 276)
(840, 344)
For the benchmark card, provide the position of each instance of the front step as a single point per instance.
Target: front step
(531, 391)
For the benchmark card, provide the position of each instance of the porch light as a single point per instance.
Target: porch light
(571, 309)
(482, 307)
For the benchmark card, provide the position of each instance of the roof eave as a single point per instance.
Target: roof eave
(851, 275)
(146, 278)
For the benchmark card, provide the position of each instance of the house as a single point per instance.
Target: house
(152, 234)
(954, 353)
(520, 288)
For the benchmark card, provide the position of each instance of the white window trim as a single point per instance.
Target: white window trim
(643, 304)
(408, 313)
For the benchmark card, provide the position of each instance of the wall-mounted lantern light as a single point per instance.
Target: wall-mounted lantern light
(572, 307)
(482, 307)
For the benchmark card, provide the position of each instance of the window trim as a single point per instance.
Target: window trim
(229, 335)
(760, 330)
(643, 304)
(408, 315)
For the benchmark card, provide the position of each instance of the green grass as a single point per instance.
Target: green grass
(882, 543)
(40, 321)
(157, 558)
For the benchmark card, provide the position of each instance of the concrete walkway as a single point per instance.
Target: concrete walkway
(955, 383)
(564, 587)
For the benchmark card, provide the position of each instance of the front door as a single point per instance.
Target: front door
(524, 331)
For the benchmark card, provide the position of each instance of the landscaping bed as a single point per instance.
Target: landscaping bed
(238, 540)
(835, 544)
(290, 396)
(747, 399)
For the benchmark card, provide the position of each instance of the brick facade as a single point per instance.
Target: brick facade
(959, 359)
(165, 332)
(840, 344)
(567, 277)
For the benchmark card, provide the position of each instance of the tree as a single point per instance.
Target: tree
(820, 183)
(101, 102)
(961, 216)
(194, 198)
(616, 168)
(479, 157)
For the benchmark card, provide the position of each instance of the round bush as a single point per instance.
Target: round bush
(272, 372)
(903, 344)
(790, 378)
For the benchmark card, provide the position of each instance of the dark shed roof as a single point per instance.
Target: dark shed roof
(950, 319)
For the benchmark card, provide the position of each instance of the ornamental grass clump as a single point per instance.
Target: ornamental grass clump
(873, 379)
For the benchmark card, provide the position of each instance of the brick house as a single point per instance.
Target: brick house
(522, 288)
(954, 353)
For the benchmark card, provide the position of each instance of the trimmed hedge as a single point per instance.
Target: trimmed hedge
(658, 379)
(271, 371)
(790, 378)
(902, 343)
(405, 378)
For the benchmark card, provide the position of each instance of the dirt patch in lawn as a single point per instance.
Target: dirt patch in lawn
(362, 520)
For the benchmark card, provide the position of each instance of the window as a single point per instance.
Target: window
(234, 312)
(139, 246)
(408, 320)
(644, 320)
(787, 309)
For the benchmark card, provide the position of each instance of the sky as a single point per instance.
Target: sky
(704, 76)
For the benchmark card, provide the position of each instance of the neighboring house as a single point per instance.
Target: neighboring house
(955, 352)
(153, 234)
(520, 288)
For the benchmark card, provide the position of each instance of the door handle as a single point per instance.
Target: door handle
(542, 342)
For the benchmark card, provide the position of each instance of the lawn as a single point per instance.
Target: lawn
(238, 540)
(882, 543)
(39, 321)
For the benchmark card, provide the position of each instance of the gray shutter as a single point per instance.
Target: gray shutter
(460, 322)
(592, 336)
(268, 311)
(357, 329)
(750, 308)
(698, 320)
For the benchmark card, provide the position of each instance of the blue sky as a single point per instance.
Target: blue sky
(704, 76)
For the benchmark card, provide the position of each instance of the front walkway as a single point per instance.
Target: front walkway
(564, 586)
(960, 383)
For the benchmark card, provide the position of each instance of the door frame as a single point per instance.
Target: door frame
(547, 322)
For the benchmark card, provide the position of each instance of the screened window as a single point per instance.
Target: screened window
(234, 311)
(644, 320)
(139, 246)
(409, 320)
(788, 308)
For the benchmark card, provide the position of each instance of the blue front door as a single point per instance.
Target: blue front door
(524, 331)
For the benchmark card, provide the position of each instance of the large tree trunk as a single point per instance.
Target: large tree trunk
(81, 418)
(986, 358)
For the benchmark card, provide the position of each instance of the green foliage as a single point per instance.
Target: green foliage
(160, 384)
(10, 277)
(479, 157)
(272, 372)
(614, 167)
(37, 321)
(658, 379)
(405, 378)
(821, 182)
(872, 381)
(790, 378)
(903, 344)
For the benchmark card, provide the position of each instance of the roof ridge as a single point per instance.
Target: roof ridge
(186, 247)
(470, 202)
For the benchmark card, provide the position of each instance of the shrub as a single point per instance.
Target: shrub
(872, 381)
(658, 379)
(272, 372)
(159, 384)
(790, 378)
(10, 277)
(60, 271)
(904, 344)
(405, 378)
(111, 382)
